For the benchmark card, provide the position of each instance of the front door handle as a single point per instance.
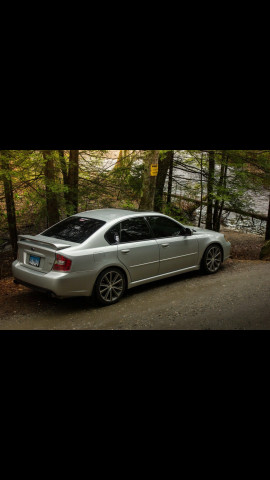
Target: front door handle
(165, 245)
(125, 251)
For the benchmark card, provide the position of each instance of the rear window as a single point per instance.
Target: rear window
(74, 229)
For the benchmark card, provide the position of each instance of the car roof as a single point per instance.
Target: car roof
(108, 214)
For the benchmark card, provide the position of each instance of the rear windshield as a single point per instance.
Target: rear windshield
(74, 229)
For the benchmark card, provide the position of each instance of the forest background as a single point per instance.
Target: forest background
(40, 187)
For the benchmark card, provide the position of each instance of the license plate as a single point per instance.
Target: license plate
(35, 261)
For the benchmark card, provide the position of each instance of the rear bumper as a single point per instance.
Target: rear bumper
(71, 284)
(33, 287)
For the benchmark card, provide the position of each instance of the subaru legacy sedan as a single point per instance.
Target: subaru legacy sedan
(104, 252)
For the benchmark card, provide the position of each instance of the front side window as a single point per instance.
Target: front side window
(134, 230)
(164, 227)
(74, 229)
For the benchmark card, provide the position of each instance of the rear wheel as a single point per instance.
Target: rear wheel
(212, 259)
(110, 286)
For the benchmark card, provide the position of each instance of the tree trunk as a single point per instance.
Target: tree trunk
(210, 190)
(51, 196)
(73, 180)
(11, 213)
(267, 233)
(216, 215)
(221, 208)
(170, 180)
(201, 185)
(227, 209)
(64, 170)
(164, 164)
(149, 182)
(63, 164)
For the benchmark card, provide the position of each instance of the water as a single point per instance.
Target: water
(259, 202)
(237, 222)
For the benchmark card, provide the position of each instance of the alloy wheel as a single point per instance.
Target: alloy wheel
(213, 259)
(111, 286)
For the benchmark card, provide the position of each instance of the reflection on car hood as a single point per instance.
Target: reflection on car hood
(199, 230)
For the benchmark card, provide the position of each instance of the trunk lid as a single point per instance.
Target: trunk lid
(38, 252)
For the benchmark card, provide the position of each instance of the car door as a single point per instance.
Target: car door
(177, 251)
(137, 249)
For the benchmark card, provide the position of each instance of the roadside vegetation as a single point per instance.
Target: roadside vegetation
(40, 187)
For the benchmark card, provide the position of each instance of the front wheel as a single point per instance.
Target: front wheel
(110, 286)
(212, 259)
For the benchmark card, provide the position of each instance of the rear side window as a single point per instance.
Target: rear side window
(113, 235)
(74, 229)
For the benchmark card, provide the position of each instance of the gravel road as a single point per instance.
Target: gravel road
(236, 298)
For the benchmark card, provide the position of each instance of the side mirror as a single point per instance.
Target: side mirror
(188, 232)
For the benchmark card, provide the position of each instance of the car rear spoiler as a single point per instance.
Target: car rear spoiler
(32, 239)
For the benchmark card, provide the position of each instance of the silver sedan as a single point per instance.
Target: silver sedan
(104, 252)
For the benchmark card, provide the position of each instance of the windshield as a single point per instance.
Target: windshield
(74, 229)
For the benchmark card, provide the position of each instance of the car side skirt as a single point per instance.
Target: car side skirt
(164, 275)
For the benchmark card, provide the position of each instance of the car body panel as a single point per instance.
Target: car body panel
(141, 261)
(177, 253)
(207, 237)
(140, 258)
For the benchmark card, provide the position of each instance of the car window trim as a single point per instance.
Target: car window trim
(70, 218)
(105, 234)
(130, 241)
(135, 241)
(154, 237)
(169, 236)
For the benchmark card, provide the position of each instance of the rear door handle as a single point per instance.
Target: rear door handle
(125, 251)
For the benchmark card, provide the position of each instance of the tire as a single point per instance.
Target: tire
(110, 286)
(212, 259)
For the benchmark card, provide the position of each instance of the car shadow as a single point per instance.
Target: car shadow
(164, 282)
(32, 301)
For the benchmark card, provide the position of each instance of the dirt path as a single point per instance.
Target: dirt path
(235, 298)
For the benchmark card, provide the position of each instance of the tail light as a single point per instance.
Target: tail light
(62, 264)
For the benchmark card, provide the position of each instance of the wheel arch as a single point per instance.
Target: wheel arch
(111, 291)
(118, 267)
(214, 242)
